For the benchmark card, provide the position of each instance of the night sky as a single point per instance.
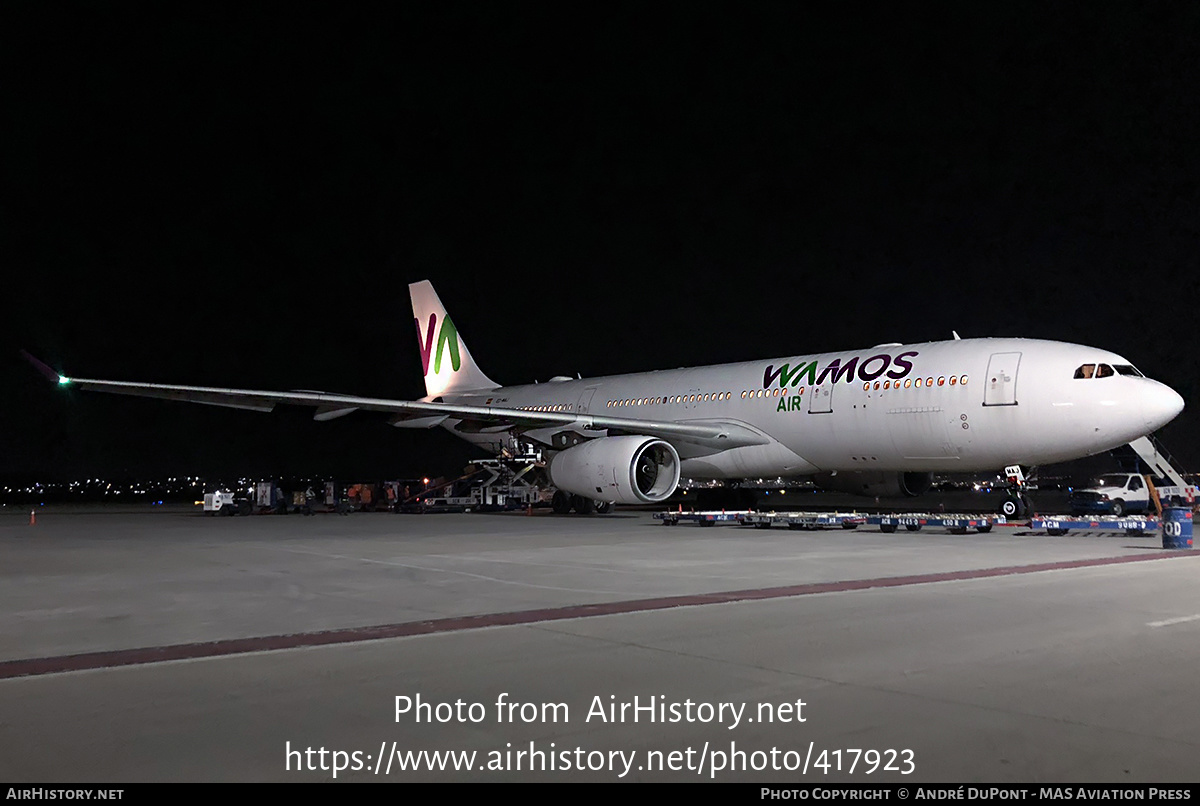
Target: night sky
(239, 196)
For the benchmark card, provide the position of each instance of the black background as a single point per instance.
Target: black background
(239, 195)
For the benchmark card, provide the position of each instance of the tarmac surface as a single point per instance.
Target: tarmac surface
(163, 645)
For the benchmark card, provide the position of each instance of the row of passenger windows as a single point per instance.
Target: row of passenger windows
(942, 380)
(752, 394)
(1105, 371)
(711, 397)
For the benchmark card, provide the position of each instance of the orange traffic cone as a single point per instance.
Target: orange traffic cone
(33, 517)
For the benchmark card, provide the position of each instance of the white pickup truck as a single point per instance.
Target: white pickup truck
(1126, 494)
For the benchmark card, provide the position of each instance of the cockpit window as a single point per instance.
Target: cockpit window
(1127, 369)
(1086, 371)
(1104, 371)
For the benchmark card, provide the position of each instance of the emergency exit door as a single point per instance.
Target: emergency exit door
(584, 404)
(1000, 385)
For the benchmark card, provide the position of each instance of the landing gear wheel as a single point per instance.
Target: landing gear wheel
(604, 507)
(1012, 507)
(561, 502)
(584, 506)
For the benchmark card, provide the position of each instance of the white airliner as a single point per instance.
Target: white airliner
(878, 421)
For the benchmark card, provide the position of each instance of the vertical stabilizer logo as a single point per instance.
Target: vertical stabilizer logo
(447, 336)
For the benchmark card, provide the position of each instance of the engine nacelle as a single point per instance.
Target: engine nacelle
(877, 483)
(626, 470)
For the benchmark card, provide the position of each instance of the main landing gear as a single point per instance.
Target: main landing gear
(563, 502)
(1017, 503)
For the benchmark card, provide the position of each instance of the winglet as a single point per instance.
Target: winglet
(45, 370)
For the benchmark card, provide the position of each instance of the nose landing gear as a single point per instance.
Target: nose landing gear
(1017, 503)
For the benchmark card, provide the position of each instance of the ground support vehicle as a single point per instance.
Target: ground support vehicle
(1132, 526)
(702, 518)
(955, 524)
(225, 503)
(809, 521)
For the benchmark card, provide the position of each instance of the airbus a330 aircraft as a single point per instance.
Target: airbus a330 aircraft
(879, 421)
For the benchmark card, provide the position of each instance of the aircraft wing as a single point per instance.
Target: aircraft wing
(410, 413)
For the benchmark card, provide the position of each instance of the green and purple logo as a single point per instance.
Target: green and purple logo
(447, 337)
(868, 369)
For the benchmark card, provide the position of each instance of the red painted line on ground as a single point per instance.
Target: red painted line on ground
(240, 646)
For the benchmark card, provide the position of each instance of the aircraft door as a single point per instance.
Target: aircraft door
(821, 401)
(585, 400)
(1000, 385)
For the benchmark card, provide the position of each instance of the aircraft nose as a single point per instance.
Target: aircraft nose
(1160, 405)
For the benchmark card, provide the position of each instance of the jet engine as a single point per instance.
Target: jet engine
(625, 470)
(876, 483)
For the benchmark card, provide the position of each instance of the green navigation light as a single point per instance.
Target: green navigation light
(63, 380)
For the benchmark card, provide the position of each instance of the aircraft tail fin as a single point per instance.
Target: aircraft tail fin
(445, 360)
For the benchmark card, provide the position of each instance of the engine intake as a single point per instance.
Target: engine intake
(625, 470)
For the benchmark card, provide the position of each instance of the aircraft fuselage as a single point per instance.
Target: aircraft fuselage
(965, 405)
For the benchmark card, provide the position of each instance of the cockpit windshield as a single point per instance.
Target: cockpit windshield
(1085, 371)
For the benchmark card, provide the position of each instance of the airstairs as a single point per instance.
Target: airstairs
(1158, 459)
